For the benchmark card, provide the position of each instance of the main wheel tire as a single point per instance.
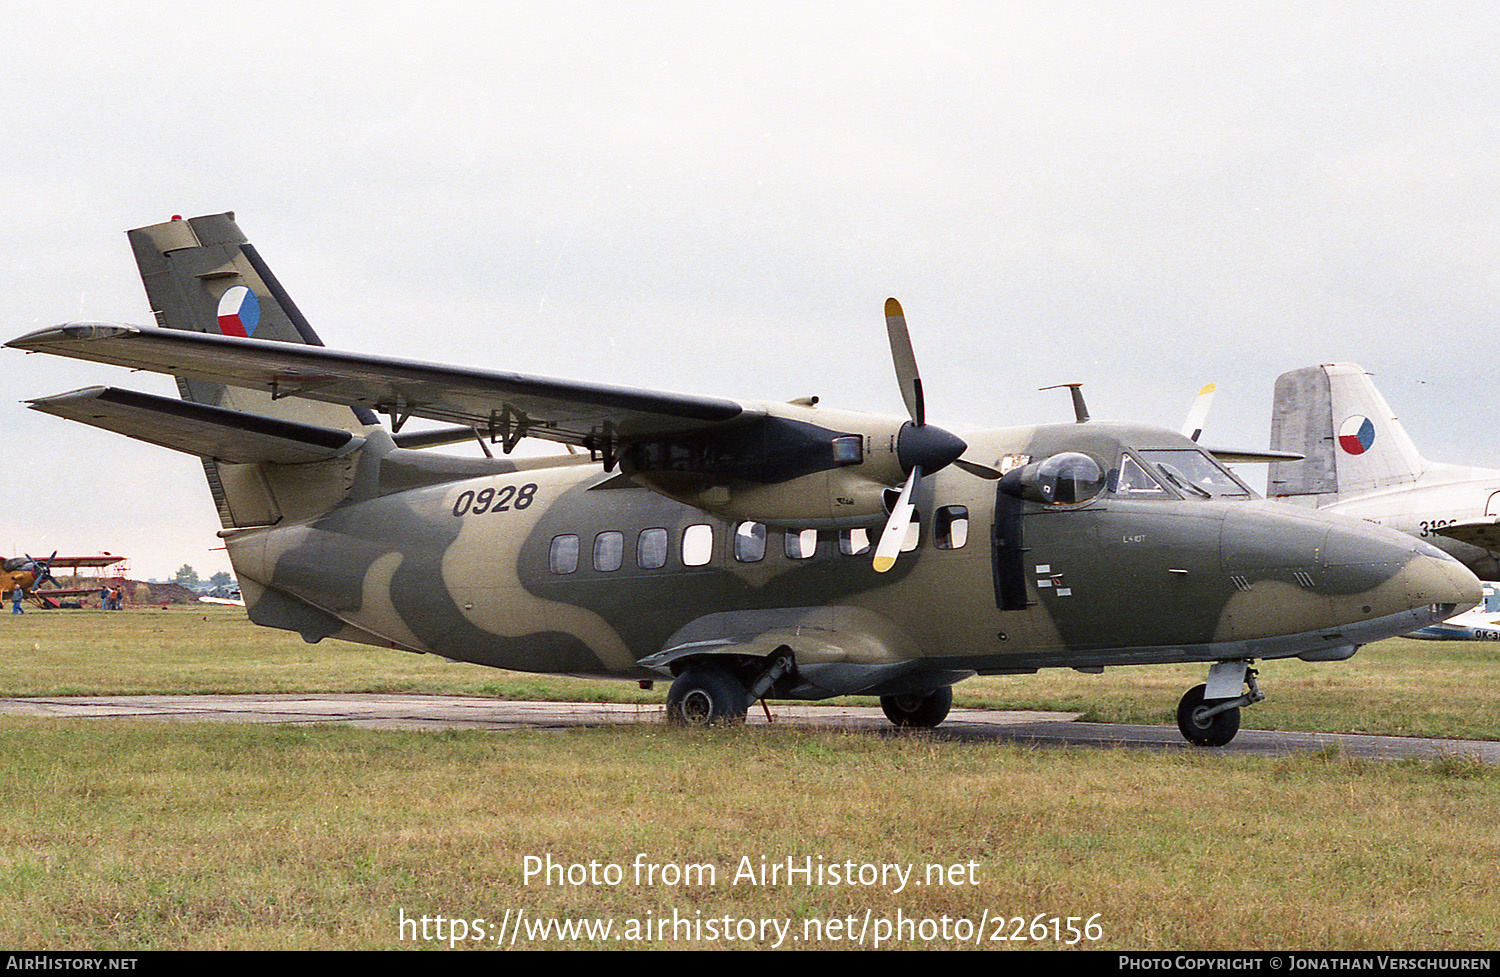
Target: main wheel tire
(918, 710)
(1215, 730)
(706, 695)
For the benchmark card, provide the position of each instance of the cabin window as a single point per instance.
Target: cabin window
(801, 545)
(854, 542)
(651, 549)
(913, 533)
(697, 545)
(609, 551)
(563, 557)
(950, 527)
(750, 542)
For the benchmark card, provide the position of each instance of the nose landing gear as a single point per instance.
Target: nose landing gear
(1209, 714)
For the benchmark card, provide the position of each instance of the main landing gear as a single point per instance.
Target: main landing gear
(918, 710)
(713, 693)
(1209, 714)
(707, 694)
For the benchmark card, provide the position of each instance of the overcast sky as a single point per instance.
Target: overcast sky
(717, 198)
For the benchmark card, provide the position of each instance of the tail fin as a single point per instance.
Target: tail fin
(1352, 441)
(203, 275)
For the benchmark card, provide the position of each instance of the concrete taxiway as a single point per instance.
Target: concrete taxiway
(433, 712)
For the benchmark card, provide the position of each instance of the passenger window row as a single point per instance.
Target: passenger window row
(950, 528)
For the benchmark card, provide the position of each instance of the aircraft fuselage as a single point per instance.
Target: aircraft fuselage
(572, 569)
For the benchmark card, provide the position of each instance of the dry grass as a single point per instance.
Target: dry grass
(134, 835)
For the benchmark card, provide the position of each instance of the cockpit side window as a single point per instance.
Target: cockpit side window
(1196, 475)
(1134, 482)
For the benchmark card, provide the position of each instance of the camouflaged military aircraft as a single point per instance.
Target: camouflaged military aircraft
(735, 547)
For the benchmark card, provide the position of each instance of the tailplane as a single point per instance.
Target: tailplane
(1351, 441)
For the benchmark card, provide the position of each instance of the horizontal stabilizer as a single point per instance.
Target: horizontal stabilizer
(198, 429)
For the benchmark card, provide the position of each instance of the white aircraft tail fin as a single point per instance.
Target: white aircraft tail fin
(1352, 442)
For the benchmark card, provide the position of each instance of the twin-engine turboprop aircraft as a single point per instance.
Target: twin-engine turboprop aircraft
(735, 547)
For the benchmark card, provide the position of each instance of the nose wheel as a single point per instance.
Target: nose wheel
(1209, 714)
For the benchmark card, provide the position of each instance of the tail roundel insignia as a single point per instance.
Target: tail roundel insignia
(239, 312)
(1356, 434)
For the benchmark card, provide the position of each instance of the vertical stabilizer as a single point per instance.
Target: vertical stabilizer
(202, 275)
(1352, 441)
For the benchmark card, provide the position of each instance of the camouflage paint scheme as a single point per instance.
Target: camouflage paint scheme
(336, 530)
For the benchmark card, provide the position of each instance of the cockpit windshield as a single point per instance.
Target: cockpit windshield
(1134, 482)
(1195, 474)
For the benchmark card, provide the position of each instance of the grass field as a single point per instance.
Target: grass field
(136, 835)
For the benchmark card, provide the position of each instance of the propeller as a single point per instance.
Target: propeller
(41, 570)
(920, 447)
(1192, 427)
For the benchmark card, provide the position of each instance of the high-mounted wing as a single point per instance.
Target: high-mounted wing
(504, 406)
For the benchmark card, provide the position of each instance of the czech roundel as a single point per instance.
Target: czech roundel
(239, 312)
(1356, 434)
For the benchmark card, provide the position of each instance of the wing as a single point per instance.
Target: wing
(84, 561)
(506, 406)
(1233, 456)
(210, 432)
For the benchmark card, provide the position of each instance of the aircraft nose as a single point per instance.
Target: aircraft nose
(1443, 583)
(1377, 574)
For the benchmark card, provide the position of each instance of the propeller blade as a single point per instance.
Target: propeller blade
(974, 468)
(906, 362)
(897, 526)
(1198, 413)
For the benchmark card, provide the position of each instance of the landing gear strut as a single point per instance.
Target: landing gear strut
(1209, 714)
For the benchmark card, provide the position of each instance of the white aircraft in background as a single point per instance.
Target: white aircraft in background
(1482, 623)
(1360, 462)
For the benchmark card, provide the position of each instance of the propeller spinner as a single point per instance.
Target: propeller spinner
(920, 447)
